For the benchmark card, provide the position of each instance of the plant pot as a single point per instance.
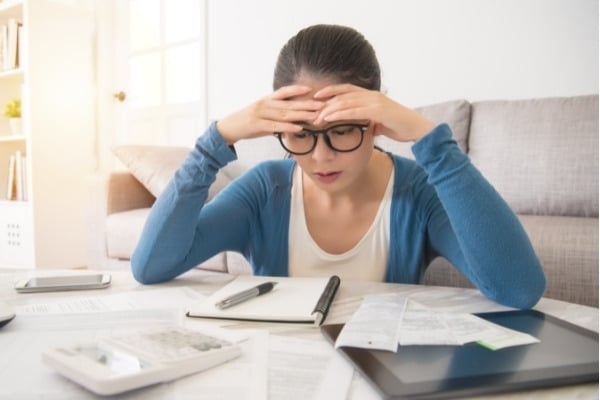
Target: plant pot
(16, 126)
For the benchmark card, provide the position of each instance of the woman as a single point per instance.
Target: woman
(338, 205)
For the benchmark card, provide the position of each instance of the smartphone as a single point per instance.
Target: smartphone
(59, 283)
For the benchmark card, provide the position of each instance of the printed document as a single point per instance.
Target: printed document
(384, 321)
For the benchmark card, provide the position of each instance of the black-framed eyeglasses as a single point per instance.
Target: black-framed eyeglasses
(343, 138)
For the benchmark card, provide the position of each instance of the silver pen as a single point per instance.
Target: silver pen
(245, 295)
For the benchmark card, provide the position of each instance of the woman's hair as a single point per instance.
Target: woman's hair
(331, 51)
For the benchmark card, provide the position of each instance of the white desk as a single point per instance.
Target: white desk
(22, 374)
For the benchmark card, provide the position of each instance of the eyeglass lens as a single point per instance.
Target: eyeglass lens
(341, 138)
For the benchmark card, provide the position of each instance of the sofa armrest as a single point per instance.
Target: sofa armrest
(109, 193)
(124, 192)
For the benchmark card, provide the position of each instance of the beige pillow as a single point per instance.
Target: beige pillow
(456, 113)
(153, 166)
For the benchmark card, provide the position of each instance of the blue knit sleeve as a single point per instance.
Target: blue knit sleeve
(173, 239)
(476, 230)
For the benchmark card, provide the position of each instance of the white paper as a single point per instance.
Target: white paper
(384, 321)
(421, 327)
(133, 300)
(376, 323)
(503, 337)
(244, 378)
(306, 369)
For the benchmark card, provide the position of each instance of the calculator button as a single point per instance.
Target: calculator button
(172, 345)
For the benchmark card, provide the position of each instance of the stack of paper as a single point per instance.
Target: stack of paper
(385, 321)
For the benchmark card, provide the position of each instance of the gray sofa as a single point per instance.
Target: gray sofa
(540, 154)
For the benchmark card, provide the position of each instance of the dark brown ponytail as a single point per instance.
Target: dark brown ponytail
(333, 51)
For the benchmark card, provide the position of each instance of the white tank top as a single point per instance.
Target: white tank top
(366, 261)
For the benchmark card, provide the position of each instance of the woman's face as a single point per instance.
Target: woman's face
(328, 169)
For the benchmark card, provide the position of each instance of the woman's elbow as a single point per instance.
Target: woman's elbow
(143, 270)
(521, 293)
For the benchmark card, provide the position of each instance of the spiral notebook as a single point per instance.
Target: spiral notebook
(305, 300)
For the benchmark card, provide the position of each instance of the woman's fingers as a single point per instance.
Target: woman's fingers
(281, 105)
(343, 115)
(349, 102)
(288, 92)
(349, 105)
(272, 113)
(290, 110)
(336, 90)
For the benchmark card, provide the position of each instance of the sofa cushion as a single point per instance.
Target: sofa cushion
(249, 153)
(456, 114)
(540, 154)
(153, 166)
(568, 250)
(123, 230)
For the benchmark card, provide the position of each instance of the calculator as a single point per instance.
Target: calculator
(121, 363)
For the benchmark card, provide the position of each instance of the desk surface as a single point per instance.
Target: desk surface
(34, 376)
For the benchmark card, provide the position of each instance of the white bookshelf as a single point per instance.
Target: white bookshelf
(54, 80)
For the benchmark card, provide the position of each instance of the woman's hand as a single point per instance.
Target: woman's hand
(349, 102)
(273, 113)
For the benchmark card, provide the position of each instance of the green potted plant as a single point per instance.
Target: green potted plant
(12, 110)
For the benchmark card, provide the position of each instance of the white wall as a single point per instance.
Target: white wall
(429, 50)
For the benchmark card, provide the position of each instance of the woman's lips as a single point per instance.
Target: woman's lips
(327, 177)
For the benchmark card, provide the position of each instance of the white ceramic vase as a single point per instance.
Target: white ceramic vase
(16, 126)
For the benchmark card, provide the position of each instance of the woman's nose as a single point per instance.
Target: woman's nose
(322, 151)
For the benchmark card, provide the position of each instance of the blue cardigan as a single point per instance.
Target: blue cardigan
(441, 205)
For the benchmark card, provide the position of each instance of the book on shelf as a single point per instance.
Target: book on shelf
(17, 177)
(10, 44)
(3, 36)
(11, 189)
(19, 56)
(24, 195)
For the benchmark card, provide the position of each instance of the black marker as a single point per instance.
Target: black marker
(322, 307)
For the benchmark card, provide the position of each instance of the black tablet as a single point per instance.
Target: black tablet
(566, 354)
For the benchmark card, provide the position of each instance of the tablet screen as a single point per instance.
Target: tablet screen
(565, 354)
(427, 363)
